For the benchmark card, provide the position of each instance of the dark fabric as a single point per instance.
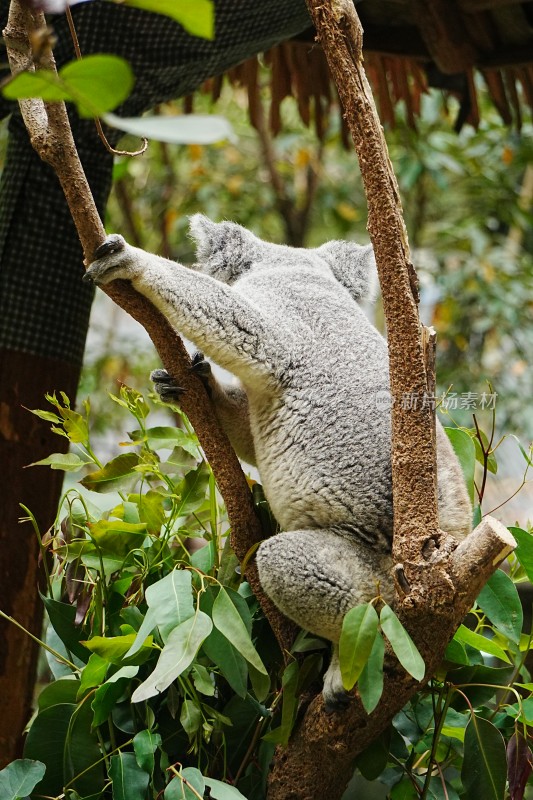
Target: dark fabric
(44, 306)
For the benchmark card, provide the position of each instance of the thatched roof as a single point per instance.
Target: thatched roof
(411, 45)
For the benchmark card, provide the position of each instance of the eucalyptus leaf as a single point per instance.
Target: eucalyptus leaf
(499, 600)
(228, 621)
(67, 462)
(129, 781)
(223, 791)
(370, 683)
(402, 644)
(481, 643)
(19, 778)
(484, 768)
(182, 129)
(524, 549)
(359, 629)
(176, 656)
(118, 474)
(145, 744)
(187, 785)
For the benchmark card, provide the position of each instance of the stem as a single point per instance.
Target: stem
(42, 548)
(51, 650)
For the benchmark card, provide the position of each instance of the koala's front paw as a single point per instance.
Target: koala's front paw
(334, 693)
(166, 388)
(112, 261)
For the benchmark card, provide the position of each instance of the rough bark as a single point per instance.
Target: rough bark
(436, 582)
(51, 137)
(23, 440)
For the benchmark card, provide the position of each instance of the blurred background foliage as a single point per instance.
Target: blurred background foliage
(468, 207)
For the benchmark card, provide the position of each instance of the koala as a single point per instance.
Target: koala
(307, 410)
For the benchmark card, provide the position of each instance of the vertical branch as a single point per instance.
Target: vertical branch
(413, 463)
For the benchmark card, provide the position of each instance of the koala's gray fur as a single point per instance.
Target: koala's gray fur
(308, 412)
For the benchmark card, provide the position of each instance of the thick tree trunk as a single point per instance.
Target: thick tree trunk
(24, 439)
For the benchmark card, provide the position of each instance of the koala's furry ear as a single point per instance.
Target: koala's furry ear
(354, 266)
(224, 250)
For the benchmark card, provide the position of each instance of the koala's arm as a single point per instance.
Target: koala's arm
(231, 408)
(218, 319)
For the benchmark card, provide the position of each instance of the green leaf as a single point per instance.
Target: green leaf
(484, 769)
(93, 674)
(499, 600)
(373, 760)
(402, 644)
(190, 718)
(370, 683)
(178, 788)
(230, 662)
(106, 696)
(45, 742)
(145, 743)
(228, 621)
(68, 462)
(465, 451)
(114, 649)
(183, 129)
(197, 19)
(481, 643)
(289, 708)
(82, 757)
(165, 437)
(46, 415)
(192, 490)
(223, 791)
(359, 629)
(129, 781)
(170, 603)
(456, 653)
(118, 474)
(524, 550)
(177, 655)
(95, 83)
(19, 778)
(64, 690)
(116, 538)
(62, 617)
(203, 681)
(75, 426)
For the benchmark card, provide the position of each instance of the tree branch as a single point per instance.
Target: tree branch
(50, 134)
(436, 581)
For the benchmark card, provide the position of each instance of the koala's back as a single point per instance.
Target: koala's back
(321, 437)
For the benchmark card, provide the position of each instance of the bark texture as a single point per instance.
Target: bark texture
(436, 581)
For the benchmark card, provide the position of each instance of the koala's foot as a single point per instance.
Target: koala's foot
(202, 370)
(166, 388)
(334, 693)
(112, 261)
(169, 391)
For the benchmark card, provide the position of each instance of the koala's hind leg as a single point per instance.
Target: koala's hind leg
(314, 577)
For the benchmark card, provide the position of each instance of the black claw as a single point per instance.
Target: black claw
(200, 366)
(113, 244)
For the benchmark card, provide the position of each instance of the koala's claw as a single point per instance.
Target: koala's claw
(336, 703)
(202, 370)
(168, 391)
(113, 244)
(109, 261)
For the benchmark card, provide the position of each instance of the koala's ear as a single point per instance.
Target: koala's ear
(354, 266)
(224, 250)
